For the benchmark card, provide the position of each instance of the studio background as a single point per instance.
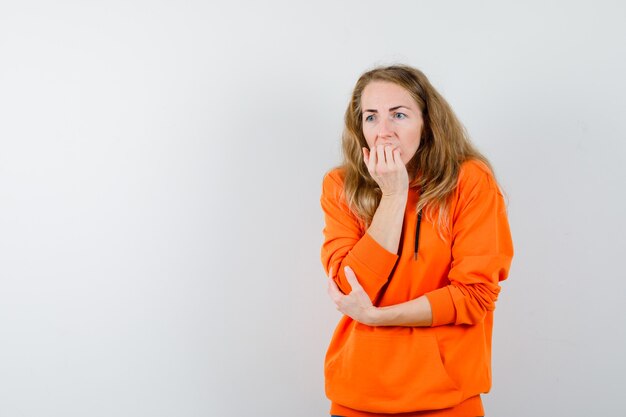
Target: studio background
(160, 172)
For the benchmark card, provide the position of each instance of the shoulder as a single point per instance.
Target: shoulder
(476, 183)
(475, 175)
(333, 179)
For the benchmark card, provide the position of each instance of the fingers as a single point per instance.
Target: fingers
(389, 155)
(382, 157)
(351, 304)
(331, 283)
(333, 291)
(379, 159)
(393, 156)
(350, 276)
(397, 156)
(380, 153)
(352, 279)
(371, 162)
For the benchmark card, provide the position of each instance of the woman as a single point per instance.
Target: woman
(416, 241)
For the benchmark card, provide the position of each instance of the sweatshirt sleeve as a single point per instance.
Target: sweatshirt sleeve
(347, 244)
(482, 251)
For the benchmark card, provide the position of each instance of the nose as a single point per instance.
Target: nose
(385, 128)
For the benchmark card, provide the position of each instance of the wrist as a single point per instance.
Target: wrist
(396, 195)
(372, 317)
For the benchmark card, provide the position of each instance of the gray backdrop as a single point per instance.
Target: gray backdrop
(160, 173)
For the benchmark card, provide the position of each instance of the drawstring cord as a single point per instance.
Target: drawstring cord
(417, 233)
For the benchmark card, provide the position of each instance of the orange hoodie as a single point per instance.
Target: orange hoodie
(418, 371)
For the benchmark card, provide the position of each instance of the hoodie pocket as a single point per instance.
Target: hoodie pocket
(390, 370)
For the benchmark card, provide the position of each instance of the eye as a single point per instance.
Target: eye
(368, 118)
(401, 114)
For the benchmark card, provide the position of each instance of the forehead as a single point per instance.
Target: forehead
(383, 93)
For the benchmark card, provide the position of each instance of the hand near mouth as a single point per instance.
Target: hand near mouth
(385, 166)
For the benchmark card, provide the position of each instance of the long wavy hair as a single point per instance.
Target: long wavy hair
(444, 146)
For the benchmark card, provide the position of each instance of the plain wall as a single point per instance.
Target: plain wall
(160, 174)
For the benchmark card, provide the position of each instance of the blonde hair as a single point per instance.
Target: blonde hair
(444, 146)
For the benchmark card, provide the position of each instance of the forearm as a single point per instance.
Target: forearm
(386, 225)
(413, 313)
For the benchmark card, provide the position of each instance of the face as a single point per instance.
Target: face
(391, 116)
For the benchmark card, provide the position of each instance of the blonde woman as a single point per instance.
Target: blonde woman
(416, 242)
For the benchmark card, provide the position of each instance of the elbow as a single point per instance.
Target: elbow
(339, 275)
(473, 301)
(370, 282)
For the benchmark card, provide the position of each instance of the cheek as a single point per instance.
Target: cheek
(417, 134)
(412, 140)
(368, 138)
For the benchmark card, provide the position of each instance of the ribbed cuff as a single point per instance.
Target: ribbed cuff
(442, 306)
(371, 255)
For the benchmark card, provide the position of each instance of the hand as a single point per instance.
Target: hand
(387, 169)
(357, 304)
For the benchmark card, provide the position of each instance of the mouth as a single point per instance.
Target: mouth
(394, 145)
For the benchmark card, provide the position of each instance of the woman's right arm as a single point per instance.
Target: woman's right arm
(386, 225)
(372, 255)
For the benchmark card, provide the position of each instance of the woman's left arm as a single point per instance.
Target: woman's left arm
(358, 306)
(481, 257)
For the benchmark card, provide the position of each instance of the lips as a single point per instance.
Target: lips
(395, 145)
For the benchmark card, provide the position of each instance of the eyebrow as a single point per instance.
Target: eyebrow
(392, 108)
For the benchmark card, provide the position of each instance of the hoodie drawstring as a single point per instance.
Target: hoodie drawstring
(417, 233)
